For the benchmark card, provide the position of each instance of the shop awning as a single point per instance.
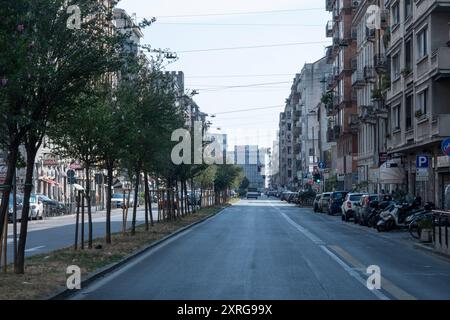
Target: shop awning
(392, 173)
(48, 180)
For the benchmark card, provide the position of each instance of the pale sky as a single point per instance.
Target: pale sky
(264, 74)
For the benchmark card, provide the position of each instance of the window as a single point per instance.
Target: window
(395, 11)
(422, 102)
(408, 9)
(396, 66)
(396, 118)
(408, 55)
(422, 45)
(408, 112)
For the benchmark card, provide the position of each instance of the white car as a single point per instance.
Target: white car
(36, 207)
(349, 206)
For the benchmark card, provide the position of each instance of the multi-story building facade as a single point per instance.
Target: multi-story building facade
(288, 146)
(312, 122)
(368, 80)
(252, 161)
(342, 102)
(418, 96)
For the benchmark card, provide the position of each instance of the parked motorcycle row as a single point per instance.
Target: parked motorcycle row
(385, 214)
(379, 211)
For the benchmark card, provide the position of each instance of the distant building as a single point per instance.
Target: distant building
(251, 159)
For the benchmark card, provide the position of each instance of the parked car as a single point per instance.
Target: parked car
(37, 206)
(364, 207)
(51, 207)
(336, 200)
(253, 195)
(316, 202)
(117, 200)
(19, 207)
(194, 198)
(350, 205)
(324, 202)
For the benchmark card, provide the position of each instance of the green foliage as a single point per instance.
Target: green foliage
(244, 184)
(228, 177)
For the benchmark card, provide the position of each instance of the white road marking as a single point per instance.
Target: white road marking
(316, 240)
(34, 249)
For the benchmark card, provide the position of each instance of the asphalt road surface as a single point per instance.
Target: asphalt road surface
(57, 233)
(271, 250)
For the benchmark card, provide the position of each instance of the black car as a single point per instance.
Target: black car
(336, 200)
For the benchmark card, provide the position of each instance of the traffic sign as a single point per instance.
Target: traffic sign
(422, 175)
(422, 162)
(322, 165)
(446, 146)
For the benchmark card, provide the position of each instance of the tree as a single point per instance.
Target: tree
(205, 179)
(228, 177)
(153, 115)
(54, 65)
(244, 184)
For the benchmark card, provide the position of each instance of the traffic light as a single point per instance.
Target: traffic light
(317, 178)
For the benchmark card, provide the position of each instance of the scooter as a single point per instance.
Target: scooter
(374, 216)
(396, 218)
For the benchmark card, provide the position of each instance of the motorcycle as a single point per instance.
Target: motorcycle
(397, 216)
(374, 215)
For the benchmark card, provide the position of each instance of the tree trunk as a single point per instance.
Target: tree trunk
(146, 201)
(20, 266)
(89, 209)
(11, 162)
(136, 199)
(110, 169)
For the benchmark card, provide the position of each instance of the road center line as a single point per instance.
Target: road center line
(322, 245)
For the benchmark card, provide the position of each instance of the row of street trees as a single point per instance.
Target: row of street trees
(93, 99)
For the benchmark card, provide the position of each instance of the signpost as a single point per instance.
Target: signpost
(422, 168)
(446, 147)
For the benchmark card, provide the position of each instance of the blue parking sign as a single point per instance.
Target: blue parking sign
(422, 162)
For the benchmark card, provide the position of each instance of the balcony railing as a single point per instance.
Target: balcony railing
(380, 62)
(440, 61)
(329, 29)
(440, 126)
(369, 74)
(358, 79)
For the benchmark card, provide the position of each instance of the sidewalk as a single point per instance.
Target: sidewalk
(66, 220)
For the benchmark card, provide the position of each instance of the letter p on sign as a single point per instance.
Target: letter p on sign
(422, 162)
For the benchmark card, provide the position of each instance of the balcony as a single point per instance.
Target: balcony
(370, 34)
(330, 135)
(369, 74)
(358, 79)
(353, 63)
(440, 126)
(380, 63)
(440, 63)
(354, 122)
(329, 5)
(337, 131)
(329, 29)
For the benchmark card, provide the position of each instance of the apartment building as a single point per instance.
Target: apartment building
(370, 24)
(418, 97)
(313, 149)
(288, 146)
(341, 98)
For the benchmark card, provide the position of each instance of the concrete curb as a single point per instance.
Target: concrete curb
(430, 250)
(63, 294)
